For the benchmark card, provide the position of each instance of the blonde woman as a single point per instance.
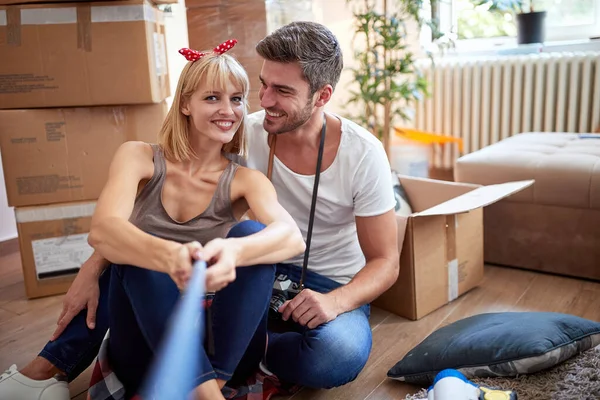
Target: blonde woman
(163, 206)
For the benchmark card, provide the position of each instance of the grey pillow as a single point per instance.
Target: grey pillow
(498, 344)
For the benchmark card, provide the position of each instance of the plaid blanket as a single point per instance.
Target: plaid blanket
(104, 384)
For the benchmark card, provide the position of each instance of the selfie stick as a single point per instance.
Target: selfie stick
(176, 367)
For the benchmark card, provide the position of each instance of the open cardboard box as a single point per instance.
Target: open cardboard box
(441, 243)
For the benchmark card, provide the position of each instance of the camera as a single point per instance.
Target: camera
(283, 290)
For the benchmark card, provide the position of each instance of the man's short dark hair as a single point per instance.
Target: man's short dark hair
(312, 45)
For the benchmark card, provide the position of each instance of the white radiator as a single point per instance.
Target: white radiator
(485, 100)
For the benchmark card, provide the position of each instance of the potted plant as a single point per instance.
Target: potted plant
(530, 25)
(386, 79)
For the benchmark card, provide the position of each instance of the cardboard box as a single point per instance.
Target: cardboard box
(63, 154)
(82, 54)
(15, 2)
(53, 243)
(441, 243)
(214, 21)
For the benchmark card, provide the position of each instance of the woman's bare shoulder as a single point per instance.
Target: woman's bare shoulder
(250, 176)
(136, 149)
(137, 154)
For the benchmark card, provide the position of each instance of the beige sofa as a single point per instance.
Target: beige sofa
(554, 225)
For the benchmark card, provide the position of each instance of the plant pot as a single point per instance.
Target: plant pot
(531, 27)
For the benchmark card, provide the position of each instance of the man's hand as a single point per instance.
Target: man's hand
(83, 293)
(311, 309)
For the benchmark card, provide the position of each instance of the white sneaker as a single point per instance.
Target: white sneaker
(16, 386)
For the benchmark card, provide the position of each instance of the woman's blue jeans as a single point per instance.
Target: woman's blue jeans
(136, 305)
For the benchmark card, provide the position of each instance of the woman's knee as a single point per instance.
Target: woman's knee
(264, 273)
(245, 228)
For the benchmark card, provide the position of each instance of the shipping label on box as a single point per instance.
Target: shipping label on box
(53, 244)
(61, 255)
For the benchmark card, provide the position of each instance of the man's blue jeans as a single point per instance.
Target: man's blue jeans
(136, 304)
(328, 356)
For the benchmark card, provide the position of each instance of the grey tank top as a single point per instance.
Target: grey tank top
(150, 215)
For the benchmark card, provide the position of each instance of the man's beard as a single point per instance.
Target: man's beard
(297, 121)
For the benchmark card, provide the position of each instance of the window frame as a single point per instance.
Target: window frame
(576, 35)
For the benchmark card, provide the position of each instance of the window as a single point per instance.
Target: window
(565, 20)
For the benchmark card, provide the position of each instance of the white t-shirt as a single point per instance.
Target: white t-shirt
(358, 183)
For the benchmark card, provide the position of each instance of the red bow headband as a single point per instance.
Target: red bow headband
(194, 55)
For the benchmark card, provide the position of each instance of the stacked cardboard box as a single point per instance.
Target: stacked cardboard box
(77, 80)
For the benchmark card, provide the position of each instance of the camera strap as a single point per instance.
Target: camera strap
(272, 142)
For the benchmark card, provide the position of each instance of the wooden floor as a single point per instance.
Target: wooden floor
(26, 325)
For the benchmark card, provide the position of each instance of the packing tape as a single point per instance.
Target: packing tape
(14, 17)
(451, 258)
(84, 27)
(452, 279)
(160, 52)
(13, 26)
(52, 213)
(159, 48)
(138, 12)
(68, 15)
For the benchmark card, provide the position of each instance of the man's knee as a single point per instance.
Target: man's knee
(342, 367)
(245, 228)
(338, 360)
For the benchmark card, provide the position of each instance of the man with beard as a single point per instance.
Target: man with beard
(321, 165)
(325, 339)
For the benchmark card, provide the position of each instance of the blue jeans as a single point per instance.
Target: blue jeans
(328, 356)
(140, 303)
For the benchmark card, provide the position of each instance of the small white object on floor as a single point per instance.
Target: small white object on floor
(16, 386)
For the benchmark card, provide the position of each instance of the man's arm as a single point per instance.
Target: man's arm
(95, 265)
(378, 237)
(83, 293)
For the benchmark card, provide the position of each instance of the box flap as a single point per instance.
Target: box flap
(424, 193)
(477, 198)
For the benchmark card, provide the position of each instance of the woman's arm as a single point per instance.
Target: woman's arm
(281, 239)
(111, 233)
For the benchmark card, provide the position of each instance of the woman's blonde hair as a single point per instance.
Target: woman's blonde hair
(218, 69)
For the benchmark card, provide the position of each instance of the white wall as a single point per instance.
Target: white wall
(176, 38)
(8, 227)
